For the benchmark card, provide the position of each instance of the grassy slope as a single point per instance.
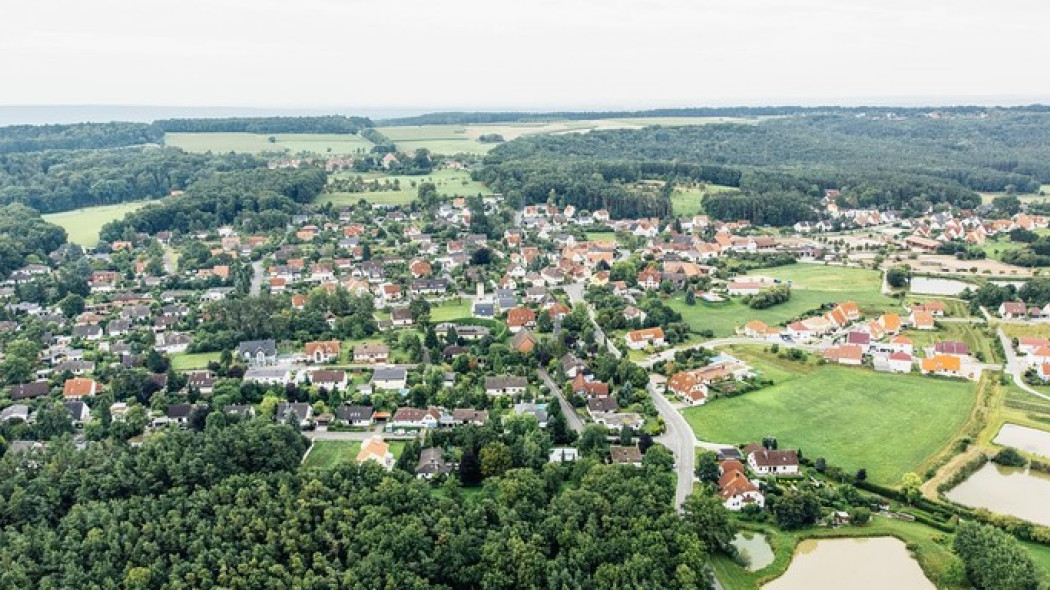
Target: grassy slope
(83, 224)
(888, 424)
(254, 143)
(813, 285)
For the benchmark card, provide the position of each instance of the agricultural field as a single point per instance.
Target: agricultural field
(187, 361)
(83, 225)
(254, 143)
(854, 417)
(813, 285)
(326, 454)
(686, 200)
(439, 139)
(448, 182)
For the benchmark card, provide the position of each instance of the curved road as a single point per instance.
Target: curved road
(678, 437)
(1015, 366)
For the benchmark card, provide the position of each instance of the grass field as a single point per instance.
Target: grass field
(854, 417)
(812, 286)
(82, 225)
(254, 143)
(185, 361)
(329, 453)
(440, 139)
(450, 310)
(448, 182)
(687, 200)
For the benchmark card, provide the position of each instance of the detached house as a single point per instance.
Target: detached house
(639, 339)
(375, 449)
(505, 385)
(371, 353)
(765, 461)
(258, 353)
(323, 351)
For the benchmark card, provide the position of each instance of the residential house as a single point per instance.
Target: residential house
(1012, 309)
(355, 415)
(268, 375)
(329, 380)
(735, 489)
(639, 339)
(765, 461)
(390, 378)
(371, 353)
(538, 411)
(432, 464)
(417, 418)
(80, 387)
(523, 342)
(258, 353)
(376, 449)
(323, 351)
(302, 412)
(621, 455)
(505, 385)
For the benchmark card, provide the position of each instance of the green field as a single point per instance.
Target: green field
(854, 417)
(186, 361)
(254, 143)
(82, 225)
(448, 182)
(329, 453)
(450, 310)
(686, 200)
(440, 139)
(812, 286)
(972, 334)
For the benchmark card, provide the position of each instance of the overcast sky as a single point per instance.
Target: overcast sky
(489, 54)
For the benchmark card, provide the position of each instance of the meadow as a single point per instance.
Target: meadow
(813, 285)
(83, 225)
(448, 182)
(853, 417)
(254, 143)
(187, 361)
(687, 200)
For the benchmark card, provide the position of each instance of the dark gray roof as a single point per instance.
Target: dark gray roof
(352, 413)
(268, 347)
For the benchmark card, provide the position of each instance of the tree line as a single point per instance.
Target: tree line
(37, 138)
(320, 124)
(23, 233)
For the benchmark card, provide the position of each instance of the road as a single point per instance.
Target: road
(678, 437)
(571, 416)
(575, 293)
(257, 278)
(1016, 367)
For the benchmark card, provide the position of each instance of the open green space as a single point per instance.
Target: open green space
(449, 182)
(453, 309)
(328, 453)
(83, 225)
(979, 337)
(187, 361)
(888, 424)
(687, 200)
(440, 139)
(254, 143)
(813, 285)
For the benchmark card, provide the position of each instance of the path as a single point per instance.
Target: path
(567, 410)
(257, 279)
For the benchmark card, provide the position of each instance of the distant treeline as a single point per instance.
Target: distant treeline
(323, 124)
(268, 197)
(63, 180)
(36, 138)
(783, 166)
(473, 118)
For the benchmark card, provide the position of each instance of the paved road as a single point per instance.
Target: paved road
(575, 293)
(571, 416)
(1015, 366)
(257, 278)
(678, 437)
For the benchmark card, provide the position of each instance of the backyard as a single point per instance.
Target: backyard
(325, 454)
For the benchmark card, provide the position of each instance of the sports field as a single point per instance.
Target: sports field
(253, 143)
(82, 225)
(813, 285)
(853, 417)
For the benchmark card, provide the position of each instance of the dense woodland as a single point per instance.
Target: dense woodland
(36, 138)
(321, 124)
(268, 197)
(24, 233)
(228, 507)
(783, 166)
(55, 180)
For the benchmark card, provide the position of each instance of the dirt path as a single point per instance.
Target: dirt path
(929, 489)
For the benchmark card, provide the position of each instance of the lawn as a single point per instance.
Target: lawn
(452, 309)
(854, 417)
(686, 200)
(82, 225)
(329, 453)
(253, 143)
(448, 182)
(185, 361)
(813, 285)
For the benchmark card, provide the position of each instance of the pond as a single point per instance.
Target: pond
(1024, 438)
(1014, 491)
(755, 548)
(859, 564)
(932, 286)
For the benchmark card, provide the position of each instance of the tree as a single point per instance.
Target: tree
(898, 276)
(911, 487)
(495, 459)
(469, 468)
(706, 515)
(71, 305)
(543, 322)
(1007, 205)
(481, 257)
(658, 458)
(52, 421)
(859, 516)
(994, 559)
(707, 467)
(796, 509)
(690, 297)
(594, 442)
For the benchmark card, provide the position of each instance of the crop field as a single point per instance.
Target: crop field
(813, 285)
(254, 143)
(853, 417)
(83, 225)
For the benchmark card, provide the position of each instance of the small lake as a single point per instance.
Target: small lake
(1007, 490)
(756, 548)
(1024, 438)
(873, 563)
(931, 286)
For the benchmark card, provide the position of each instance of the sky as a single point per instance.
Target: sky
(522, 54)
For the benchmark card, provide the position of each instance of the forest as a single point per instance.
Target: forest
(229, 507)
(55, 180)
(22, 233)
(269, 197)
(783, 166)
(36, 138)
(321, 124)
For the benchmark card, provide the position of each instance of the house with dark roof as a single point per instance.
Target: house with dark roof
(505, 385)
(258, 353)
(355, 415)
(432, 464)
(777, 462)
(31, 390)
